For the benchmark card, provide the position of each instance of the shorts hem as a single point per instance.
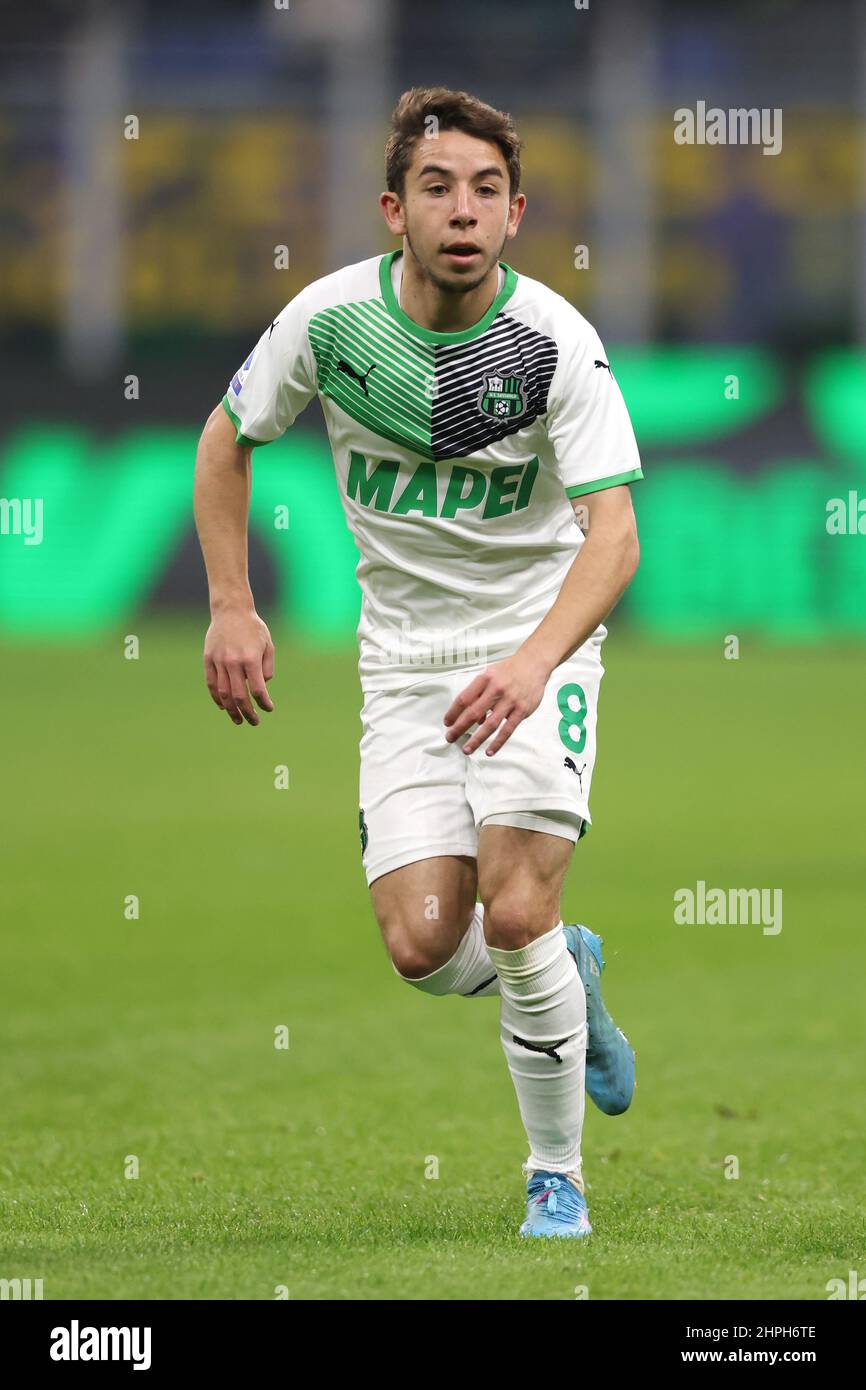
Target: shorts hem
(411, 856)
(526, 820)
(538, 803)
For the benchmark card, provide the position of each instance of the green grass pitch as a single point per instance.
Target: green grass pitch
(304, 1168)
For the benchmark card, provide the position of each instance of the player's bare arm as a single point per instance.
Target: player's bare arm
(238, 651)
(599, 575)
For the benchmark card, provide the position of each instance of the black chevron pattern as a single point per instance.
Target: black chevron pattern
(508, 349)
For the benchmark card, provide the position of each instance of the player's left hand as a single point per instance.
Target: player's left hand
(508, 691)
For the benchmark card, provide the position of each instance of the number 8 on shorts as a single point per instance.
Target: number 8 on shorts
(571, 699)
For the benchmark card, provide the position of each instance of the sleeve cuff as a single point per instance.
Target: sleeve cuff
(600, 484)
(241, 437)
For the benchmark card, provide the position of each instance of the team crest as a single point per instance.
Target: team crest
(502, 396)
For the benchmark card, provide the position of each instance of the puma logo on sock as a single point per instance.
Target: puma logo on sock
(550, 1051)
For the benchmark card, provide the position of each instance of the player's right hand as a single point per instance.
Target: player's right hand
(239, 653)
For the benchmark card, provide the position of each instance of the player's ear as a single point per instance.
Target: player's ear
(516, 209)
(392, 211)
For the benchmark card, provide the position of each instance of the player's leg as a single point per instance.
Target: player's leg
(540, 779)
(431, 926)
(419, 841)
(543, 1005)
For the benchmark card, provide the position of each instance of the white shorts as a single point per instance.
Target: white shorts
(421, 796)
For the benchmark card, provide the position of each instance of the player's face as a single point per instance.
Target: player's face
(456, 209)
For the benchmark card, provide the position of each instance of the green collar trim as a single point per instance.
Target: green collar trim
(427, 335)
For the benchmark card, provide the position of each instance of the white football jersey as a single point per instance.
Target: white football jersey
(456, 454)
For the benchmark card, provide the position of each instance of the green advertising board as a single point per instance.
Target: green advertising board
(87, 529)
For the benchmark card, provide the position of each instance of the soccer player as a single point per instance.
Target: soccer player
(483, 456)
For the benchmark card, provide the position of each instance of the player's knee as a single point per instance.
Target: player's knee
(412, 962)
(415, 954)
(513, 916)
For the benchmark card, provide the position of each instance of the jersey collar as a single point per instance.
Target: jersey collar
(428, 335)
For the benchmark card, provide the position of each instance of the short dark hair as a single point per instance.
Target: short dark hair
(453, 111)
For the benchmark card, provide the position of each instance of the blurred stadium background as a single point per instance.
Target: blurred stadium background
(138, 273)
(153, 257)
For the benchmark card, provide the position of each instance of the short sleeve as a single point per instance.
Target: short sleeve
(588, 424)
(277, 380)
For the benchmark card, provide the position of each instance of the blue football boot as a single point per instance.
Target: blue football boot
(610, 1059)
(554, 1207)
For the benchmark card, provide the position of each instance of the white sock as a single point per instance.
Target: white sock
(544, 1003)
(469, 972)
